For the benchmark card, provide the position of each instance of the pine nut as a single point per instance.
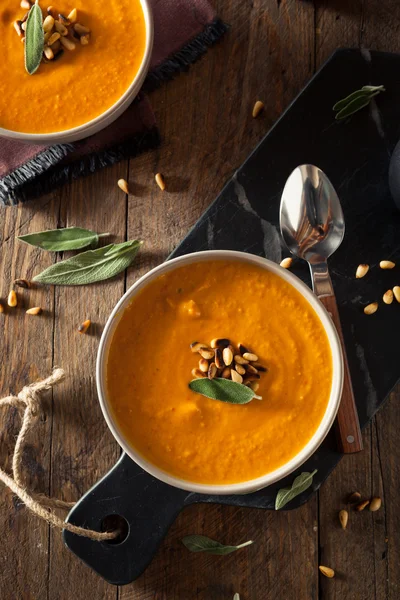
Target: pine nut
(226, 373)
(203, 365)
(254, 385)
(371, 308)
(396, 292)
(250, 356)
(160, 181)
(50, 10)
(361, 505)
(375, 504)
(48, 52)
(80, 29)
(362, 270)
(84, 39)
(25, 4)
(206, 353)
(47, 36)
(197, 374)
(123, 185)
(36, 310)
(12, 299)
(387, 264)
(212, 371)
(236, 377)
(62, 30)
(327, 571)
(48, 23)
(1, 308)
(63, 19)
(23, 26)
(73, 15)
(227, 356)
(240, 360)
(243, 349)
(257, 108)
(354, 498)
(286, 263)
(240, 369)
(259, 367)
(22, 283)
(197, 346)
(218, 358)
(220, 343)
(388, 297)
(343, 518)
(53, 38)
(68, 44)
(252, 370)
(18, 27)
(83, 327)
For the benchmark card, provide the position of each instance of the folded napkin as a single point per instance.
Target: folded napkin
(183, 30)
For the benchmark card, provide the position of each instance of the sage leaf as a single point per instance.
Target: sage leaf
(57, 240)
(353, 107)
(92, 265)
(34, 39)
(224, 390)
(201, 543)
(356, 101)
(342, 103)
(299, 485)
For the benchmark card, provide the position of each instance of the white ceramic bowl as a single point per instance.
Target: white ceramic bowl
(330, 413)
(107, 117)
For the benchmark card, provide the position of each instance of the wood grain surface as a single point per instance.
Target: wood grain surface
(271, 51)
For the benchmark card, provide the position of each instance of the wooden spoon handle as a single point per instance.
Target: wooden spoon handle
(347, 423)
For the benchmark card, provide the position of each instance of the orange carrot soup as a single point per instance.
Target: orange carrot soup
(150, 363)
(92, 60)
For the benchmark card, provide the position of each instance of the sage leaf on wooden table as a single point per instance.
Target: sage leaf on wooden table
(299, 485)
(92, 265)
(224, 390)
(34, 39)
(201, 543)
(58, 240)
(356, 101)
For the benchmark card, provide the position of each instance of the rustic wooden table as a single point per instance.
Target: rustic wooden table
(272, 50)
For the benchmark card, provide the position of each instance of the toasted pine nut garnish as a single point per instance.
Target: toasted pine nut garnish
(354, 498)
(240, 369)
(48, 23)
(203, 365)
(197, 373)
(362, 270)
(396, 292)
(259, 367)
(375, 504)
(73, 15)
(80, 29)
(240, 360)
(254, 385)
(286, 263)
(62, 30)
(250, 356)
(388, 297)
(160, 181)
(1, 308)
(361, 505)
(47, 36)
(251, 369)
(23, 25)
(18, 28)
(218, 358)
(327, 571)
(220, 343)
(83, 327)
(123, 185)
(212, 371)
(63, 19)
(236, 376)
(25, 4)
(12, 299)
(371, 308)
(48, 52)
(206, 353)
(242, 349)
(22, 283)
(343, 518)
(257, 108)
(387, 264)
(197, 346)
(227, 356)
(50, 11)
(68, 44)
(53, 38)
(226, 373)
(84, 39)
(36, 310)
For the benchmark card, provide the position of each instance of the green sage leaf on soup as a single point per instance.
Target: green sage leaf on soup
(201, 543)
(224, 390)
(299, 485)
(58, 240)
(34, 39)
(91, 266)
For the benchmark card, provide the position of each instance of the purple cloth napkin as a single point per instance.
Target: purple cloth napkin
(183, 30)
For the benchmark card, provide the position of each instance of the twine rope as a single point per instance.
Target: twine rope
(28, 399)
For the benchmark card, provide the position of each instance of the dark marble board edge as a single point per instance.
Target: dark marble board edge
(198, 238)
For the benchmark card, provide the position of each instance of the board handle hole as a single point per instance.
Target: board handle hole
(116, 523)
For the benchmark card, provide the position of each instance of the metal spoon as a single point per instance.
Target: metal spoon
(312, 226)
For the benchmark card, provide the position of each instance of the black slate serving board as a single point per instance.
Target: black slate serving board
(355, 155)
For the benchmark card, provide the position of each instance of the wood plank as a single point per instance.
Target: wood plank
(338, 25)
(205, 120)
(26, 351)
(83, 449)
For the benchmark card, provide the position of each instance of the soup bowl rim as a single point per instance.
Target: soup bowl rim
(310, 447)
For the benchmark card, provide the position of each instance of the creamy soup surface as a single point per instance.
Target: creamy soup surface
(149, 368)
(84, 82)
